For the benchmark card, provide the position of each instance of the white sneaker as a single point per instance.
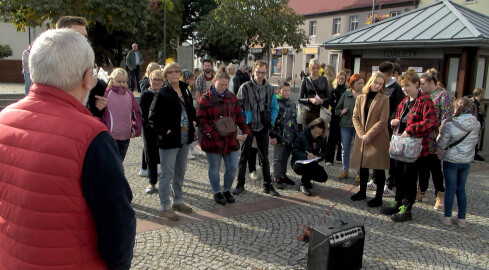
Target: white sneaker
(388, 192)
(143, 173)
(197, 152)
(253, 176)
(159, 171)
(371, 185)
(190, 156)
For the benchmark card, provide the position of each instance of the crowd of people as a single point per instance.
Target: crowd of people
(78, 130)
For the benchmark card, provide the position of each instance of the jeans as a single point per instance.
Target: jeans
(27, 81)
(262, 142)
(281, 154)
(455, 178)
(135, 74)
(347, 135)
(230, 165)
(431, 165)
(173, 166)
(122, 145)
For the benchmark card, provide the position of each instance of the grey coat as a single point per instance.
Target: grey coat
(453, 131)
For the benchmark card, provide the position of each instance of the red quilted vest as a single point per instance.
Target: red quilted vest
(45, 222)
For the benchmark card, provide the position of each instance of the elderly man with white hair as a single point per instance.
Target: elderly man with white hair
(64, 200)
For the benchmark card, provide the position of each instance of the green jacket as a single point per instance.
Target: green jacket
(347, 100)
(131, 59)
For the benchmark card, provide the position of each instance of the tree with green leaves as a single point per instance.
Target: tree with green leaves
(192, 13)
(264, 23)
(112, 25)
(5, 51)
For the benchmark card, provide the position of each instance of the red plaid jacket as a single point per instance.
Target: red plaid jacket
(422, 119)
(210, 108)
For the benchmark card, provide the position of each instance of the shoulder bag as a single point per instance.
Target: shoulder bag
(406, 149)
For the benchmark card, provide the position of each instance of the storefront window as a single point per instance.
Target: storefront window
(452, 74)
(479, 79)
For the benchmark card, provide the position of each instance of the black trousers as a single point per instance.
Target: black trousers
(431, 164)
(406, 180)
(380, 181)
(334, 140)
(262, 141)
(311, 171)
(135, 74)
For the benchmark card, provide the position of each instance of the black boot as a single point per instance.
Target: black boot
(361, 195)
(375, 202)
(229, 198)
(268, 189)
(404, 213)
(392, 208)
(219, 198)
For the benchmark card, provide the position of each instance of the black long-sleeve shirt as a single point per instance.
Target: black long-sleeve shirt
(109, 197)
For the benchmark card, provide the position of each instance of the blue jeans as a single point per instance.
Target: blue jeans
(455, 178)
(347, 135)
(230, 165)
(173, 167)
(27, 81)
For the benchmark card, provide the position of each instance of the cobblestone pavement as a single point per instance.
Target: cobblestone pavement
(257, 232)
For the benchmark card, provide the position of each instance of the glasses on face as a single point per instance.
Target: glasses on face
(156, 80)
(95, 69)
(262, 73)
(173, 71)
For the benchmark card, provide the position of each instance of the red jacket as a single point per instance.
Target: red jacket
(422, 119)
(45, 222)
(210, 108)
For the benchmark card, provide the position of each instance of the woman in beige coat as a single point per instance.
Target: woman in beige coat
(371, 147)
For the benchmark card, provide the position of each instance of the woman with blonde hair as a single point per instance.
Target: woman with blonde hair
(172, 116)
(144, 83)
(334, 139)
(371, 147)
(314, 93)
(151, 154)
(456, 144)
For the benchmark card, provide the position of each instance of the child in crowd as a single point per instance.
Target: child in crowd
(122, 114)
(283, 135)
(456, 144)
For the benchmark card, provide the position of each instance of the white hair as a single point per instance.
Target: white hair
(231, 65)
(60, 58)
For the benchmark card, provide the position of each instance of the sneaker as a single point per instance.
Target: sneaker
(357, 178)
(388, 192)
(219, 198)
(445, 220)
(404, 213)
(279, 183)
(182, 208)
(329, 163)
(190, 156)
(462, 223)
(169, 214)
(197, 152)
(286, 180)
(343, 175)
(305, 190)
(268, 189)
(151, 189)
(439, 201)
(143, 173)
(392, 208)
(371, 185)
(253, 176)
(229, 198)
